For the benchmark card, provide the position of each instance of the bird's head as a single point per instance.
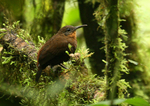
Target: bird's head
(70, 31)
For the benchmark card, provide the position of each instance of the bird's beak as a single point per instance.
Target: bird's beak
(80, 26)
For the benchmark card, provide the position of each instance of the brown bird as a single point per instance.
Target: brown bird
(53, 52)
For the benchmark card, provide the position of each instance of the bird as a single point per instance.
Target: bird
(53, 52)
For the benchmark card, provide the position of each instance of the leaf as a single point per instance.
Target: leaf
(136, 101)
(67, 52)
(6, 59)
(133, 62)
(69, 46)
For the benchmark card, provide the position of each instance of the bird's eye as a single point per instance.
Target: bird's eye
(68, 29)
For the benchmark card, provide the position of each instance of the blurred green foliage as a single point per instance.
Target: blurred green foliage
(136, 101)
(17, 77)
(74, 86)
(71, 14)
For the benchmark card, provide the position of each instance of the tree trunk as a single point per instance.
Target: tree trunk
(114, 53)
(92, 34)
(50, 21)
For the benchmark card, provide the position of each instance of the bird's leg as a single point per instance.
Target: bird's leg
(63, 66)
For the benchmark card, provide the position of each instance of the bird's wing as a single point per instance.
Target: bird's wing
(52, 48)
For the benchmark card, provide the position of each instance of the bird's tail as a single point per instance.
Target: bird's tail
(38, 74)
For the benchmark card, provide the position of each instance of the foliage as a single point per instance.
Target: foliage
(132, 43)
(74, 85)
(136, 101)
(116, 63)
(77, 89)
(14, 28)
(71, 14)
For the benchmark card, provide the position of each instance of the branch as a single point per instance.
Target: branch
(77, 72)
(18, 44)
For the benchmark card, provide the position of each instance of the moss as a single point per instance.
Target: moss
(74, 85)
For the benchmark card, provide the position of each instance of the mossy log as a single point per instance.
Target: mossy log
(75, 78)
(9, 39)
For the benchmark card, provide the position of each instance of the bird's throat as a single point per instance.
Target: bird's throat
(73, 35)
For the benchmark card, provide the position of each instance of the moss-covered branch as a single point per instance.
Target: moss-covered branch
(10, 39)
(74, 85)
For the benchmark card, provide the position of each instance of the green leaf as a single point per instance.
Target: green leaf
(69, 46)
(133, 62)
(67, 52)
(136, 101)
(6, 59)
